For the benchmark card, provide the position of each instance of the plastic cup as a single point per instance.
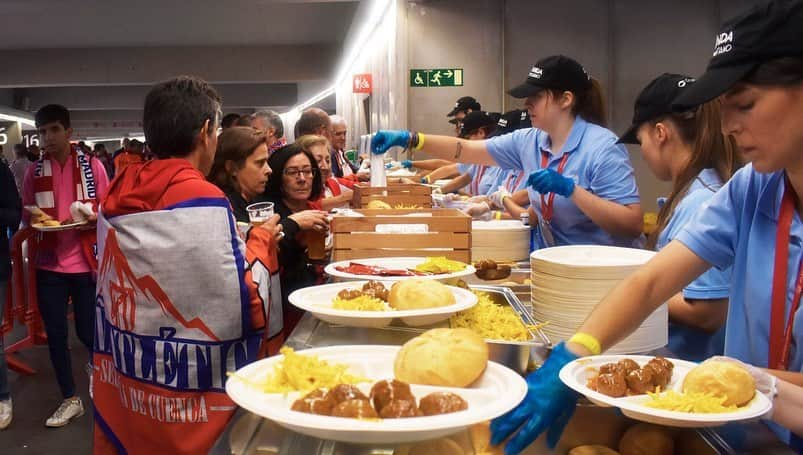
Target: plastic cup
(259, 213)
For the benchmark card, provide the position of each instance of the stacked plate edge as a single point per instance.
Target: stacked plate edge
(569, 281)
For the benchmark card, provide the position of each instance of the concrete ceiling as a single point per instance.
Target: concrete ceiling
(98, 57)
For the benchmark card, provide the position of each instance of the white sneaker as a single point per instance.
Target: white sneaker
(69, 409)
(5, 414)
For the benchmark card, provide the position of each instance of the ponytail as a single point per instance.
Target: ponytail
(591, 104)
(701, 129)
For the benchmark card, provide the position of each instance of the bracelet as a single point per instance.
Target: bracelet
(587, 341)
(425, 179)
(418, 142)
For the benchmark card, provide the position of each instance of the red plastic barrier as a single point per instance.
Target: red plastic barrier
(25, 305)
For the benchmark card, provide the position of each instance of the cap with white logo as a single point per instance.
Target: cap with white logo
(655, 101)
(555, 72)
(767, 31)
(464, 104)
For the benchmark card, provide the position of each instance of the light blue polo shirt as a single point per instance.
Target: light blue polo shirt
(487, 180)
(595, 163)
(686, 342)
(737, 228)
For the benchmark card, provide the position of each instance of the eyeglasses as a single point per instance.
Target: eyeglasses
(294, 172)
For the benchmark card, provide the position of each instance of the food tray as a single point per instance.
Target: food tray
(515, 355)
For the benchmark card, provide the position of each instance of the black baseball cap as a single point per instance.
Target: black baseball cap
(476, 120)
(511, 121)
(655, 101)
(463, 104)
(556, 72)
(767, 31)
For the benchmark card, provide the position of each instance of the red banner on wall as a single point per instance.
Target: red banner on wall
(363, 83)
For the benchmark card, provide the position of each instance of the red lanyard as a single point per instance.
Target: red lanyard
(518, 175)
(475, 184)
(780, 336)
(547, 204)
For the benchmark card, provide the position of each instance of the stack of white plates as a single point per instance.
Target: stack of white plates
(569, 281)
(500, 240)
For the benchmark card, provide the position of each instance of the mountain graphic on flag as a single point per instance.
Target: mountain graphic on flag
(126, 291)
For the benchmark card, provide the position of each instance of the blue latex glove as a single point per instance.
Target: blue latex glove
(389, 166)
(548, 181)
(407, 164)
(549, 404)
(384, 140)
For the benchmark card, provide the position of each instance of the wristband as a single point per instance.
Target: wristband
(587, 341)
(425, 179)
(502, 201)
(497, 215)
(418, 142)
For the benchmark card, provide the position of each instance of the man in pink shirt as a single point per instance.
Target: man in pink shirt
(65, 262)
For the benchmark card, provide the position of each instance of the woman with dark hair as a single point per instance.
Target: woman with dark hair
(753, 225)
(689, 149)
(582, 186)
(295, 187)
(241, 168)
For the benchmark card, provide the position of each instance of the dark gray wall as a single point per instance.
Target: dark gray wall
(454, 34)
(623, 43)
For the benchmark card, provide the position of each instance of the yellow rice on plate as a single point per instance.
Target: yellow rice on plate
(361, 303)
(692, 402)
(440, 265)
(303, 373)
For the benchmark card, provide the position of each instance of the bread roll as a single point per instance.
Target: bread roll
(594, 449)
(416, 294)
(722, 379)
(444, 357)
(647, 439)
(377, 204)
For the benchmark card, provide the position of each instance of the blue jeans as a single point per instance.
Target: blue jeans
(4, 392)
(54, 290)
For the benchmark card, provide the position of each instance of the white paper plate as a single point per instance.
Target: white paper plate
(318, 301)
(575, 375)
(498, 391)
(392, 263)
(589, 261)
(62, 227)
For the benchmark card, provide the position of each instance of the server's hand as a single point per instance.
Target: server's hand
(407, 164)
(383, 140)
(548, 181)
(497, 198)
(549, 404)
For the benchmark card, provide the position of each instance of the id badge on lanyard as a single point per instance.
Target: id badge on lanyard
(547, 203)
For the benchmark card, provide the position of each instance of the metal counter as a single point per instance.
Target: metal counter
(248, 434)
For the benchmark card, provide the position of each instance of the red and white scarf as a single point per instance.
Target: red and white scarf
(85, 190)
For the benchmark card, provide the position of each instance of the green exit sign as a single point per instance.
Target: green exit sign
(436, 77)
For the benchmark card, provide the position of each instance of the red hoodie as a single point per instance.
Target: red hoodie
(136, 410)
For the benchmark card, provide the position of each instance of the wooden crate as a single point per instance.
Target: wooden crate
(449, 230)
(407, 194)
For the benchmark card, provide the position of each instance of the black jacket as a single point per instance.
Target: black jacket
(10, 213)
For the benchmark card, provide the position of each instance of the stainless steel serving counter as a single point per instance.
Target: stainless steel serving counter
(248, 434)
